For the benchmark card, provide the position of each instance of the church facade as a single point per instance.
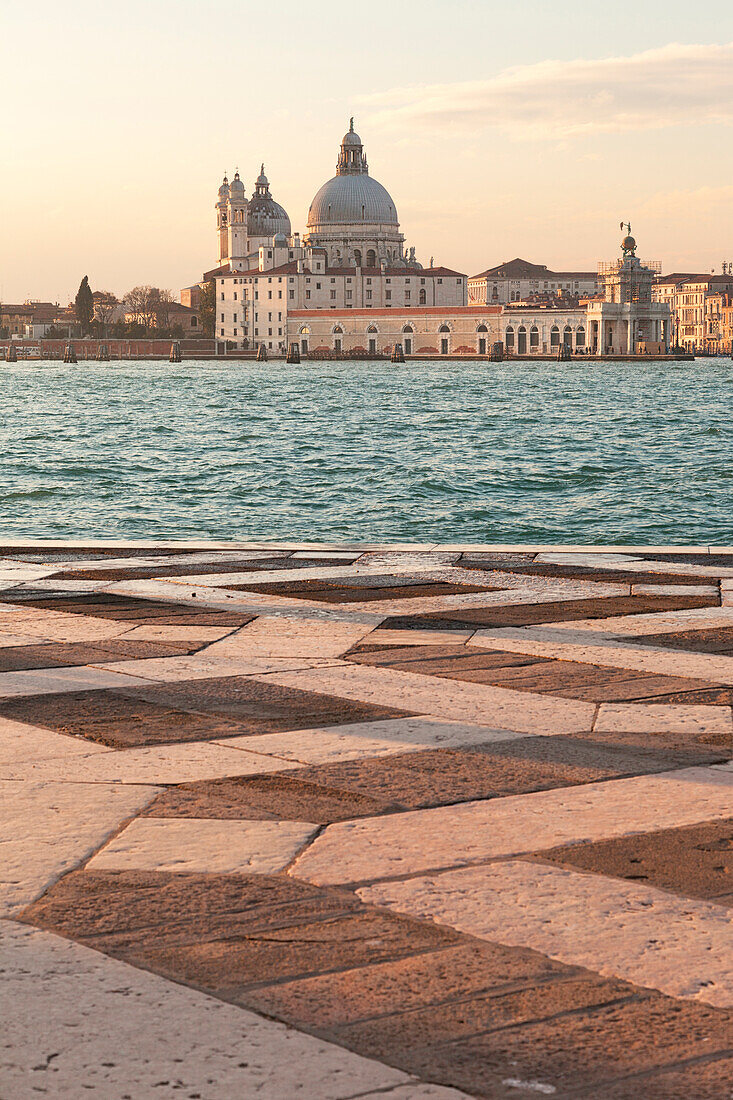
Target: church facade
(352, 257)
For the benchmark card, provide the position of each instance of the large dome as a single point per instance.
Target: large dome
(352, 200)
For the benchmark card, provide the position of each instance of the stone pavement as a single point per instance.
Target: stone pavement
(329, 822)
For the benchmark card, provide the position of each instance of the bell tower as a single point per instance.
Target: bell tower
(222, 220)
(238, 238)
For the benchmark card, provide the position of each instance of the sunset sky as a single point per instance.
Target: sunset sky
(501, 129)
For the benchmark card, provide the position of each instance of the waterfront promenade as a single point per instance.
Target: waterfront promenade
(332, 821)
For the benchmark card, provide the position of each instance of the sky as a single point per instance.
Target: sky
(529, 128)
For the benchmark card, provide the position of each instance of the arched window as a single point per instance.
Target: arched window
(423, 297)
(304, 330)
(482, 328)
(580, 337)
(337, 330)
(509, 337)
(372, 328)
(357, 257)
(567, 337)
(534, 337)
(407, 328)
(443, 328)
(555, 337)
(371, 258)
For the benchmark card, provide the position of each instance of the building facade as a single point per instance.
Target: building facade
(462, 330)
(692, 317)
(517, 280)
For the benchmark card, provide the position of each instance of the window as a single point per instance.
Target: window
(318, 286)
(349, 294)
(371, 258)
(534, 337)
(235, 295)
(407, 294)
(333, 294)
(234, 318)
(369, 295)
(279, 293)
(292, 293)
(269, 294)
(194, 322)
(222, 295)
(222, 316)
(369, 282)
(423, 297)
(307, 294)
(235, 332)
(555, 337)
(388, 294)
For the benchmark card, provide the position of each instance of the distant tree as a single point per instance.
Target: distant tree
(140, 304)
(163, 299)
(84, 305)
(105, 307)
(207, 308)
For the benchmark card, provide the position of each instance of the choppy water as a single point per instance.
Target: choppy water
(474, 452)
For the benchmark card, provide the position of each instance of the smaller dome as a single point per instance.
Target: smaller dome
(351, 138)
(262, 180)
(236, 187)
(224, 189)
(280, 241)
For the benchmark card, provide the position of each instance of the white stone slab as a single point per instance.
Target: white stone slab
(632, 564)
(12, 640)
(312, 573)
(202, 846)
(506, 597)
(681, 946)
(664, 718)
(85, 1024)
(21, 744)
(174, 634)
(361, 740)
(592, 560)
(386, 636)
(184, 763)
(674, 590)
(606, 651)
(459, 701)
(278, 636)
(203, 666)
(48, 681)
(421, 1090)
(46, 829)
(452, 836)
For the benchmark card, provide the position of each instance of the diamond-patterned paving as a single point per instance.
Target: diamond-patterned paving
(426, 823)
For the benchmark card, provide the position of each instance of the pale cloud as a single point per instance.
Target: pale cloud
(674, 85)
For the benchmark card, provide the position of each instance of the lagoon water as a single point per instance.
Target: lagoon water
(448, 451)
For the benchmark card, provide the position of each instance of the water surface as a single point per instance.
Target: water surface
(476, 452)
